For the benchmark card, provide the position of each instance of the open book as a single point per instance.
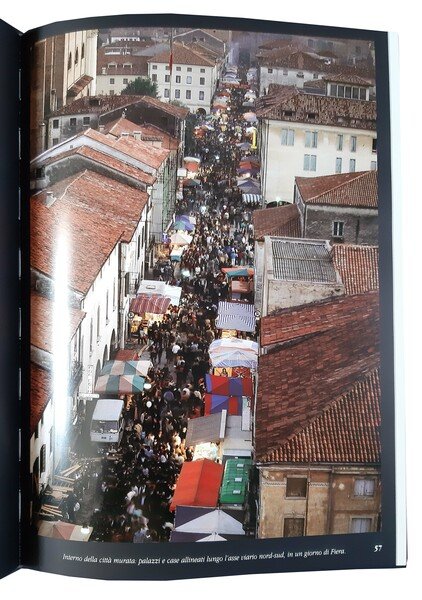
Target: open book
(197, 247)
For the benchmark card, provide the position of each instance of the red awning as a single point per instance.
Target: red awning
(143, 303)
(198, 484)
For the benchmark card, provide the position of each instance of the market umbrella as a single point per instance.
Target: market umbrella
(250, 117)
(127, 367)
(183, 226)
(119, 384)
(181, 239)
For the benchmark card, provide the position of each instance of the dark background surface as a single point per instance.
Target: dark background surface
(9, 299)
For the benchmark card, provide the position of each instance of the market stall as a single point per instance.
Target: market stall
(197, 524)
(236, 315)
(198, 484)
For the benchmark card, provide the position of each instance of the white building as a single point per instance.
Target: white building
(192, 80)
(308, 135)
(115, 71)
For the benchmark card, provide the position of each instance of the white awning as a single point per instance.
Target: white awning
(206, 429)
(252, 198)
(236, 315)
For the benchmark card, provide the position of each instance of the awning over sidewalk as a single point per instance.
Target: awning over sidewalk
(206, 429)
(154, 303)
(236, 315)
(252, 198)
(198, 484)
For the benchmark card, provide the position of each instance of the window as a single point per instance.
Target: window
(51, 439)
(72, 122)
(98, 322)
(125, 81)
(112, 81)
(188, 94)
(353, 143)
(347, 91)
(293, 527)
(355, 93)
(340, 91)
(83, 51)
(177, 93)
(287, 137)
(91, 336)
(373, 165)
(333, 89)
(374, 145)
(167, 67)
(202, 95)
(178, 68)
(300, 74)
(364, 487)
(315, 76)
(189, 69)
(296, 487)
(106, 308)
(166, 93)
(311, 139)
(55, 141)
(309, 163)
(55, 123)
(154, 77)
(352, 165)
(285, 71)
(42, 459)
(340, 141)
(111, 92)
(202, 81)
(69, 61)
(178, 79)
(360, 525)
(114, 295)
(154, 67)
(167, 78)
(270, 70)
(86, 120)
(362, 94)
(189, 79)
(338, 228)
(202, 70)
(77, 56)
(37, 431)
(338, 165)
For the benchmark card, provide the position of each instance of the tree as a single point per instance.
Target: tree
(141, 87)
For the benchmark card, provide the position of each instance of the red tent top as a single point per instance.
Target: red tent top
(198, 484)
(150, 304)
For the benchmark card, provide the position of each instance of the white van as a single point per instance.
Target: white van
(107, 422)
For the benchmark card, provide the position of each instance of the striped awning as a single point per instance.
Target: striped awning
(144, 303)
(236, 315)
(252, 198)
(119, 384)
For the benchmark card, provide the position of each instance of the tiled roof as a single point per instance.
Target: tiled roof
(350, 78)
(88, 210)
(41, 390)
(302, 260)
(346, 431)
(358, 267)
(281, 220)
(300, 379)
(102, 105)
(42, 322)
(292, 323)
(103, 159)
(359, 189)
(183, 55)
(139, 64)
(293, 59)
(287, 103)
(314, 84)
(148, 131)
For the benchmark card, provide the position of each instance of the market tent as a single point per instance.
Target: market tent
(238, 271)
(154, 303)
(176, 253)
(64, 531)
(128, 367)
(215, 403)
(119, 384)
(233, 344)
(215, 521)
(235, 358)
(198, 484)
(230, 386)
(213, 537)
(183, 226)
(241, 287)
(236, 315)
(187, 514)
(252, 198)
(249, 186)
(206, 429)
(150, 287)
(181, 239)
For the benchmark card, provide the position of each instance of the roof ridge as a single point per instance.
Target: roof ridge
(358, 175)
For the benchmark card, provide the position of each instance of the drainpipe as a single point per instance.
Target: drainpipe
(330, 503)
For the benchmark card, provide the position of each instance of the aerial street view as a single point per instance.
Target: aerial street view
(204, 286)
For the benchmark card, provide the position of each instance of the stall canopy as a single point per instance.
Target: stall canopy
(252, 198)
(235, 481)
(198, 484)
(153, 303)
(249, 186)
(181, 239)
(215, 403)
(233, 344)
(128, 367)
(234, 359)
(182, 225)
(238, 271)
(176, 254)
(195, 524)
(60, 530)
(236, 315)
(161, 288)
(119, 384)
(206, 429)
(229, 386)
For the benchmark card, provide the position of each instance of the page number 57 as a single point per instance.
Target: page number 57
(377, 547)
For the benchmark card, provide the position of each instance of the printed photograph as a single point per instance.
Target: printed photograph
(204, 286)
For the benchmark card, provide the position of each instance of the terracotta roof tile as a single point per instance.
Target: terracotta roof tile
(358, 267)
(182, 55)
(42, 322)
(41, 390)
(291, 323)
(281, 220)
(138, 64)
(123, 125)
(287, 103)
(298, 380)
(292, 58)
(358, 189)
(346, 431)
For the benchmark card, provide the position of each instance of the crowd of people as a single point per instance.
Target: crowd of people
(131, 489)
